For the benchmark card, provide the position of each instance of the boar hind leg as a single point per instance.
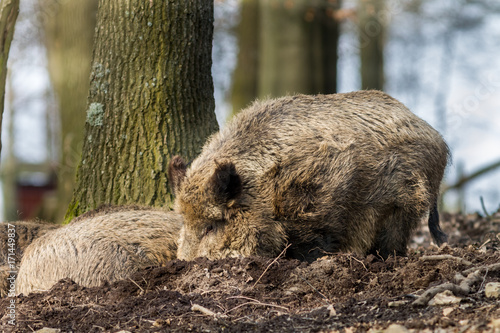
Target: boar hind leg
(393, 237)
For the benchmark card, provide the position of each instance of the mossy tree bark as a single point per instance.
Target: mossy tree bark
(151, 96)
(69, 35)
(298, 47)
(371, 40)
(9, 9)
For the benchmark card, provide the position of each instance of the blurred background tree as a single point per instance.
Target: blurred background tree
(371, 43)
(437, 57)
(285, 47)
(9, 9)
(245, 75)
(68, 35)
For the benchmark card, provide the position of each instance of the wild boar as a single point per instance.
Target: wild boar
(344, 172)
(25, 232)
(14, 238)
(104, 245)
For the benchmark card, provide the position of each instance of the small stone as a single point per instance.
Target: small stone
(445, 298)
(159, 323)
(396, 328)
(332, 310)
(492, 290)
(447, 311)
(48, 330)
(291, 291)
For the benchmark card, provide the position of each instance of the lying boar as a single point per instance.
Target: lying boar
(344, 172)
(25, 232)
(105, 245)
(14, 238)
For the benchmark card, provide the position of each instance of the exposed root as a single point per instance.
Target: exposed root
(482, 269)
(462, 285)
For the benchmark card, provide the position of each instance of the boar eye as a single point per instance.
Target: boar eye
(208, 229)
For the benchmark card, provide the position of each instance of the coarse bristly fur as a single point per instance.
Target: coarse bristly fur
(326, 173)
(25, 232)
(108, 244)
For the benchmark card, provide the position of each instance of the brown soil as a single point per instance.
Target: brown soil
(342, 292)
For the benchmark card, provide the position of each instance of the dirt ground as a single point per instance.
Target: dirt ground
(340, 292)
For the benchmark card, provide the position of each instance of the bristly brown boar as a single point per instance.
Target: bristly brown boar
(107, 244)
(344, 172)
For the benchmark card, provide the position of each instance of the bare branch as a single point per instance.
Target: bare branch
(465, 179)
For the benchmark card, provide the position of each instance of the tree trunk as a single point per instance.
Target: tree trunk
(10, 165)
(9, 9)
(371, 39)
(69, 33)
(245, 76)
(298, 47)
(151, 96)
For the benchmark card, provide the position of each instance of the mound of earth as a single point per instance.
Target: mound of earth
(430, 289)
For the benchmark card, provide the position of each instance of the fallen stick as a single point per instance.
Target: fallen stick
(204, 310)
(268, 266)
(217, 316)
(259, 304)
(482, 269)
(444, 257)
(138, 286)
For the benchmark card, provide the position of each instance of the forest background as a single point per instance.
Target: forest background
(436, 56)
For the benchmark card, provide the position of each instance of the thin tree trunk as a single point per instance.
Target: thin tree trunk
(151, 96)
(298, 47)
(69, 33)
(245, 76)
(10, 164)
(371, 39)
(9, 9)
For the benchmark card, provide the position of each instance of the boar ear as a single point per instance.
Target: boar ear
(176, 173)
(225, 182)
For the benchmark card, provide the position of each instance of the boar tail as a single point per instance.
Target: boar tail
(437, 234)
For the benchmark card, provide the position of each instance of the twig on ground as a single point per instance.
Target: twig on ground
(484, 244)
(269, 266)
(204, 310)
(444, 257)
(491, 268)
(351, 257)
(210, 313)
(316, 290)
(138, 286)
(378, 255)
(257, 303)
(245, 297)
(483, 283)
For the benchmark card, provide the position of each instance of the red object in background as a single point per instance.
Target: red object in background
(29, 197)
